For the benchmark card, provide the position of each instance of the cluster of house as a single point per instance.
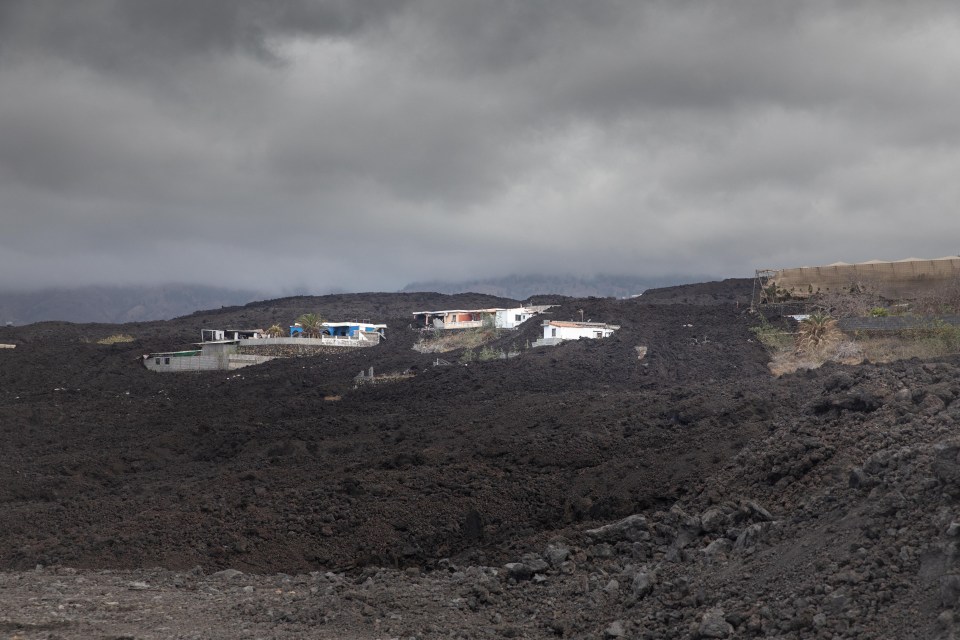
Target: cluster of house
(329, 332)
(554, 331)
(228, 349)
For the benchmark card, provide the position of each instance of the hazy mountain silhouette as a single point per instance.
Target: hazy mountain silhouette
(522, 287)
(116, 303)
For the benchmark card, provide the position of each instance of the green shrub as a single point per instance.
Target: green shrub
(116, 338)
(947, 335)
(772, 337)
(488, 353)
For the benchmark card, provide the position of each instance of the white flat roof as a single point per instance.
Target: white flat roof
(433, 313)
(158, 354)
(580, 325)
(353, 324)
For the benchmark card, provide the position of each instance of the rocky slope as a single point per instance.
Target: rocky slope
(570, 492)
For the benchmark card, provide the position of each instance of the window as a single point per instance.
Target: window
(166, 361)
(553, 333)
(599, 334)
(157, 360)
(518, 317)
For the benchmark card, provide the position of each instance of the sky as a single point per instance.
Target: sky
(361, 145)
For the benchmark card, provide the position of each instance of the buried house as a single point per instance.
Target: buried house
(556, 331)
(496, 317)
(358, 332)
(226, 350)
(513, 318)
(455, 318)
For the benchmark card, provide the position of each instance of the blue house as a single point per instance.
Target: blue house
(352, 329)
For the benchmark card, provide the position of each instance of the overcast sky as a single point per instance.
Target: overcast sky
(364, 144)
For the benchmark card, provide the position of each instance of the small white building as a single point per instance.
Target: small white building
(218, 335)
(512, 318)
(556, 331)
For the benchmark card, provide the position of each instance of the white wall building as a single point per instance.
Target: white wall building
(476, 318)
(512, 318)
(556, 331)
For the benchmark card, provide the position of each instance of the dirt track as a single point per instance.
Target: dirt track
(109, 466)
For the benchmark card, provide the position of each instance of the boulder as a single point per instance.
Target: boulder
(713, 519)
(615, 630)
(632, 529)
(643, 583)
(718, 547)
(860, 479)
(755, 512)
(556, 554)
(949, 589)
(227, 574)
(535, 562)
(946, 465)
(612, 588)
(518, 571)
(749, 536)
(713, 624)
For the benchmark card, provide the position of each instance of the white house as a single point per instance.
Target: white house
(475, 318)
(454, 318)
(556, 331)
(512, 318)
(217, 335)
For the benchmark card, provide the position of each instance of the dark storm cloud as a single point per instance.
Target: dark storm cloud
(114, 35)
(375, 143)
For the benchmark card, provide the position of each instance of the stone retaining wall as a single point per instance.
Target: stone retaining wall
(286, 350)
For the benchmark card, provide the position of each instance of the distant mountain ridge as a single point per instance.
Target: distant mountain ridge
(523, 287)
(142, 303)
(116, 304)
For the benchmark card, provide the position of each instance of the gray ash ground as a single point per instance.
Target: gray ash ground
(572, 492)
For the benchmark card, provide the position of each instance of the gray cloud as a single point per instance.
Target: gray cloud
(118, 35)
(368, 144)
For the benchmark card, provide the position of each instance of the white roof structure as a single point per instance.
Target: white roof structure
(445, 311)
(353, 324)
(580, 325)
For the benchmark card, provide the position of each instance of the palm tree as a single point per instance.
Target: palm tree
(816, 331)
(275, 331)
(312, 324)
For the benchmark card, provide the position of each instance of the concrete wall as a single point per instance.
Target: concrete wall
(472, 324)
(204, 363)
(184, 363)
(362, 340)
